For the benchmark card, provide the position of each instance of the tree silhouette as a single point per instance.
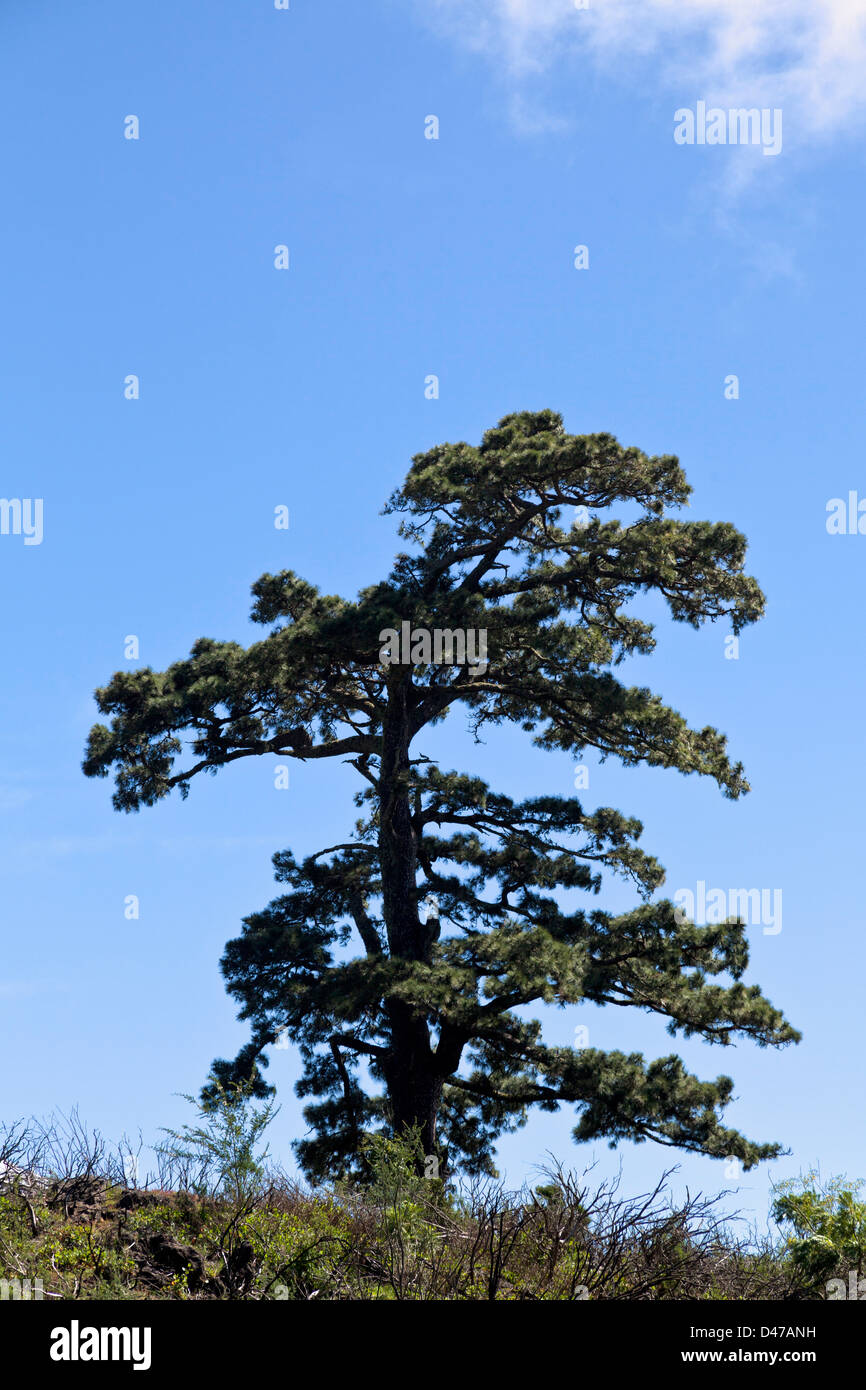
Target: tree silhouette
(413, 1027)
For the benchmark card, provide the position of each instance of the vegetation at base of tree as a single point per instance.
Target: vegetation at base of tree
(242, 1230)
(825, 1222)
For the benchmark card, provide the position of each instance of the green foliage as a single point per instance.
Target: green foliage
(395, 1184)
(394, 1167)
(826, 1225)
(224, 1151)
(398, 1236)
(407, 1021)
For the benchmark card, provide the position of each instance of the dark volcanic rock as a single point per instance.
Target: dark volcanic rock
(78, 1198)
(169, 1255)
(136, 1197)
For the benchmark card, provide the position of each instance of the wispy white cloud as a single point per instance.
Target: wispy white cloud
(27, 989)
(11, 798)
(227, 844)
(808, 56)
(60, 846)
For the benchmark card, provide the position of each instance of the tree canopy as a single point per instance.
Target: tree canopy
(397, 959)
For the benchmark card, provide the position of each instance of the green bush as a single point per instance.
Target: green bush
(825, 1225)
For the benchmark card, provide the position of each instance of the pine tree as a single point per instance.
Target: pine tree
(396, 961)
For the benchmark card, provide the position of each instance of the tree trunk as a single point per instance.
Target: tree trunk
(414, 1088)
(414, 1093)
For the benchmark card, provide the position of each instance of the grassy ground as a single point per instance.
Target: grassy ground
(222, 1223)
(402, 1238)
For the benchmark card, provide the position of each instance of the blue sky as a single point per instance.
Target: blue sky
(411, 257)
